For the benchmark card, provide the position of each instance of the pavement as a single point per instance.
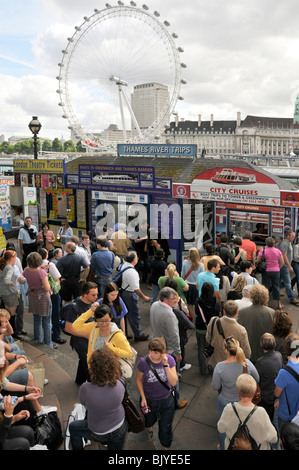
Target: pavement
(194, 427)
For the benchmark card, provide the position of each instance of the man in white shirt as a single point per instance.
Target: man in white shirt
(131, 293)
(246, 270)
(79, 250)
(245, 301)
(27, 239)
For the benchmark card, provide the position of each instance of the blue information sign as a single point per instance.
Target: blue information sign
(157, 149)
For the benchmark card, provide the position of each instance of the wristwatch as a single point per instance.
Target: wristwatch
(166, 365)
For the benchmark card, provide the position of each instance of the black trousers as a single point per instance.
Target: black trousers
(28, 248)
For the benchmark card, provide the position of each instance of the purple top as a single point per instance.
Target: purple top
(153, 389)
(104, 404)
(34, 278)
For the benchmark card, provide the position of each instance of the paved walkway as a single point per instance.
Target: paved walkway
(194, 426)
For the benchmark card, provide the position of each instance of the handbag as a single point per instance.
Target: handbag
(55, 286)
(258, 395)
(262, 264)
(126, 363)
(79, 412)
(209, 349)
(48, 431)
(38, 372)
(133, 414)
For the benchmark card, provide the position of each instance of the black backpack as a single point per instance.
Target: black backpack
(242, 440)
(118, 277)
(64, 310)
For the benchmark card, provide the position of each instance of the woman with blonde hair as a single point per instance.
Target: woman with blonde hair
(171, 273)
(236, 292)
(190, 270)
(226, 373)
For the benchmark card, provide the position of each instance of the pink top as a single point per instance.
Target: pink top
(34, 278)
(272, 256)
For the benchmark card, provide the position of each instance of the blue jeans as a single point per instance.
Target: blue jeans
(163, 412)
(221, 404)
(79, 430)
(285, 278)
(101, 285)
(42, 326)
(155, 292)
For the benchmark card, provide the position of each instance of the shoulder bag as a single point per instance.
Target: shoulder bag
(209, 349)
(126, 363)
(134, 415)
(188, 273)
(262, 264)
(172, 389)
(257, 396)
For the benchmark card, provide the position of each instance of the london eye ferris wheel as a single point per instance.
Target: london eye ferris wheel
(121, 67)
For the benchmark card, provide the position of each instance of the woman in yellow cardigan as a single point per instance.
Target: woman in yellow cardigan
(102, 333)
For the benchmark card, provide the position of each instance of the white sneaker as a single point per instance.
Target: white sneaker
(46, 409)
(186, 367)
(46, 381)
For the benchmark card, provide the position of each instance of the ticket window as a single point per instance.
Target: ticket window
(258, 224)
(63, 206)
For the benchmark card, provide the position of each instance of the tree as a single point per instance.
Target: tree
(57, 145)
(47, 145)
(69, 146)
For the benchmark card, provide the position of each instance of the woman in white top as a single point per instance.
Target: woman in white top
(65, 232)
(259, 425)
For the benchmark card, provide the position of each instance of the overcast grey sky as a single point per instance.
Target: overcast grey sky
(240, 56)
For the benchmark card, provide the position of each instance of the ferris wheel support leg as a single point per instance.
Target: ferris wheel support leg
(122, 113)
(132, 115)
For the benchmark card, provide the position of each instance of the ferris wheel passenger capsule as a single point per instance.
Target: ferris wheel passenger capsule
(145, 7)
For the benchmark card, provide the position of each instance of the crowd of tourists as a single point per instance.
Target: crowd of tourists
(90, 289)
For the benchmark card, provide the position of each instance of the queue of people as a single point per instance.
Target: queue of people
(242, 346)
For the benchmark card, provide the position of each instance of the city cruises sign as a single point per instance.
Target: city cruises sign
(235, 185)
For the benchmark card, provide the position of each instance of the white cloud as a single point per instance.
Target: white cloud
(240, 56)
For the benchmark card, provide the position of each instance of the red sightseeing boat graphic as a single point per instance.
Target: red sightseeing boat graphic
(229, 176)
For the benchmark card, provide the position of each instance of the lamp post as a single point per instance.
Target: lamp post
(35, 127)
